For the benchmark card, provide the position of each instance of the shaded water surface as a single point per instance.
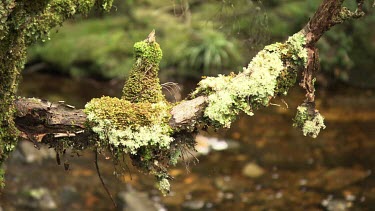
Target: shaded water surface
(268, 166)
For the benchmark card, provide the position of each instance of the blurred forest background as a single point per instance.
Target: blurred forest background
(200, 38)
(261, 163)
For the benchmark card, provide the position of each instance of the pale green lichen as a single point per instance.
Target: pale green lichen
(164, 186)
(309, 120)
(137, 124)
(271, 72)
(140, 130)
(128, 126)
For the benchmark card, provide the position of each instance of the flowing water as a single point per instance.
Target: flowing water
(268, 165)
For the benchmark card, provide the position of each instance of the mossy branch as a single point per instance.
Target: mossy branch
(154, 132)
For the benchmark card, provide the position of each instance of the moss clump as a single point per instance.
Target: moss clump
(140, 130)
(137, 124)
(129, 126)
(271, 72)
(143, 84)
(309, 120)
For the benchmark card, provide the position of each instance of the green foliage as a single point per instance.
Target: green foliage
(97, 48)
(103, 47)
(208, 53)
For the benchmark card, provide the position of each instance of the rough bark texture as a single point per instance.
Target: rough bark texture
(329, 14)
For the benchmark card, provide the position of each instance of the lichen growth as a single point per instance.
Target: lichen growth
(271, 72)
(129, 126)
(309, 120)
(140, 130)
(22, 23)
(137, 124)
(164, 186)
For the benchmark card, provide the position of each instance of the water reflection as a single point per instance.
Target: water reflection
(269, 166)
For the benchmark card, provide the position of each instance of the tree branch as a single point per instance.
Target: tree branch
(44, 121)
(119, 125)
(39, 120)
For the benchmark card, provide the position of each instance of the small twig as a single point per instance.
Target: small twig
(282, 100)
(101, 179)
(274, 104)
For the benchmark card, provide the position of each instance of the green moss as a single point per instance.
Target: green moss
(309, 120)
(21, 24)
(129, 126)
(149, 52)
(2, 184)
(271, 72)
(137, 124)
(143, 84)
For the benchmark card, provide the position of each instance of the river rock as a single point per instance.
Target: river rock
(30, 154)
(336, 205)
(41, 198)
(252, 170)
(68, 195)
(337, 178)
(132, 200)
(193, 205)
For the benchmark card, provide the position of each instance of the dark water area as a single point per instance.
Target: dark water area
(267, 164)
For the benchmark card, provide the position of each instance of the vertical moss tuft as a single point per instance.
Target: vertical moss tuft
(137, 124)
(143, 84)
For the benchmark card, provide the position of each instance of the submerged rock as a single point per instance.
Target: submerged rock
(252, 170)
(132, 200)
(40, 199)
(337, 178)
(30, 154)
(193, 205)
(336, 204)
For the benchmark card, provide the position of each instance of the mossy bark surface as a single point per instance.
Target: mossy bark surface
(11, 63)
(21, 24)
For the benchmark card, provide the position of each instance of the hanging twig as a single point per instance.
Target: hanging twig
(101, 179)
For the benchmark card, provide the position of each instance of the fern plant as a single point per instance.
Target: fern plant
(209, 52)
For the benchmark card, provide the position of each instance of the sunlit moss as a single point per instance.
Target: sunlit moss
(271, 72)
